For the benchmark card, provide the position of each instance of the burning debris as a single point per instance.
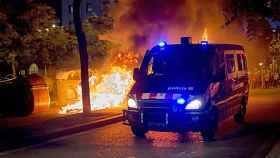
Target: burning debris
(109, 92)
(205, 35)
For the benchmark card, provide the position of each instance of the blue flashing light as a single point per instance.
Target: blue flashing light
(181, 101)
(161, 44)
(204, 43)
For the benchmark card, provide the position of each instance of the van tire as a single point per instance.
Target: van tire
(138, 131)
(208, 134)
(240, 115)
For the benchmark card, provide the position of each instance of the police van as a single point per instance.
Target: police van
(188, 87)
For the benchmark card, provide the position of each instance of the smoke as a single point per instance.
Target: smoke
(140, 24)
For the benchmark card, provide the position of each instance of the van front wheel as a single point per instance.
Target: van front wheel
(208, 134)
(138, 131)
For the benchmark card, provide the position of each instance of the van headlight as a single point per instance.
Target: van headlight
(132, 103)
(194, 105)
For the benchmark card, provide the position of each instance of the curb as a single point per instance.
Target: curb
(82, 127)
(266, 148)
(273, 153)
(276, 143)
(38, 139)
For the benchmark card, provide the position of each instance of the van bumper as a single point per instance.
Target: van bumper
(168, 121)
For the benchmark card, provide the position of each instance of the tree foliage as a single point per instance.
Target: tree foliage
(46, 43)
(234, 9)
(98, 49)
(30, 32)
(8, 36)
(252, 15)
(40, 16)
(27, 29)
(49, 47)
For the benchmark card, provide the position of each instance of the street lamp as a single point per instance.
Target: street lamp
(262, 74)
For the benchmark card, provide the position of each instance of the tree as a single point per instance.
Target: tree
(38, 17)
(30, 33)
(8, 41)
(53, 47)
(33, 37)
(94, 26)
(47, 43)
(83, 56)
(8, 36)
(98, 50)
(252, 14)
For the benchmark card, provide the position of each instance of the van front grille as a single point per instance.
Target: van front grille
(155, 104)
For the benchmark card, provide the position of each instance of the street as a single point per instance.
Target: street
(253, 139)
(75, 73)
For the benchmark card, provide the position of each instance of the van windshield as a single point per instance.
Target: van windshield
(191, 64)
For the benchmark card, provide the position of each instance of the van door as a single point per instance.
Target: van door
(231, 83)
(239, 86)
(245, 77)
(242, 74)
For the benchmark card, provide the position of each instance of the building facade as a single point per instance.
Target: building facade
(64, 9)
(88, 8)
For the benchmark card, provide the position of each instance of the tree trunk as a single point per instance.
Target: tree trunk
(83, 56)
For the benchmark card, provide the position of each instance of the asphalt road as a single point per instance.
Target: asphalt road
(253, 139)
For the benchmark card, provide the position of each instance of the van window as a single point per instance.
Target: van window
(240, 62)
(183, 62)
(230, 63)
(244, 61)
(150, 67)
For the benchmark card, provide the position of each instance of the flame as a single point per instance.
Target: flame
(205, 35)
(110, 92)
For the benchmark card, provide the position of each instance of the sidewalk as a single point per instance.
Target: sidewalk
(23, 131)
(264, 91)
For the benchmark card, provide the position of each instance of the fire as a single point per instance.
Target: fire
(205, 35)
(109, 92)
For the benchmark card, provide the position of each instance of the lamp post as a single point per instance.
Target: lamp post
(262, 74)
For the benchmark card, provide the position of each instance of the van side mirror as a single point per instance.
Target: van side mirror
(137, 75)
